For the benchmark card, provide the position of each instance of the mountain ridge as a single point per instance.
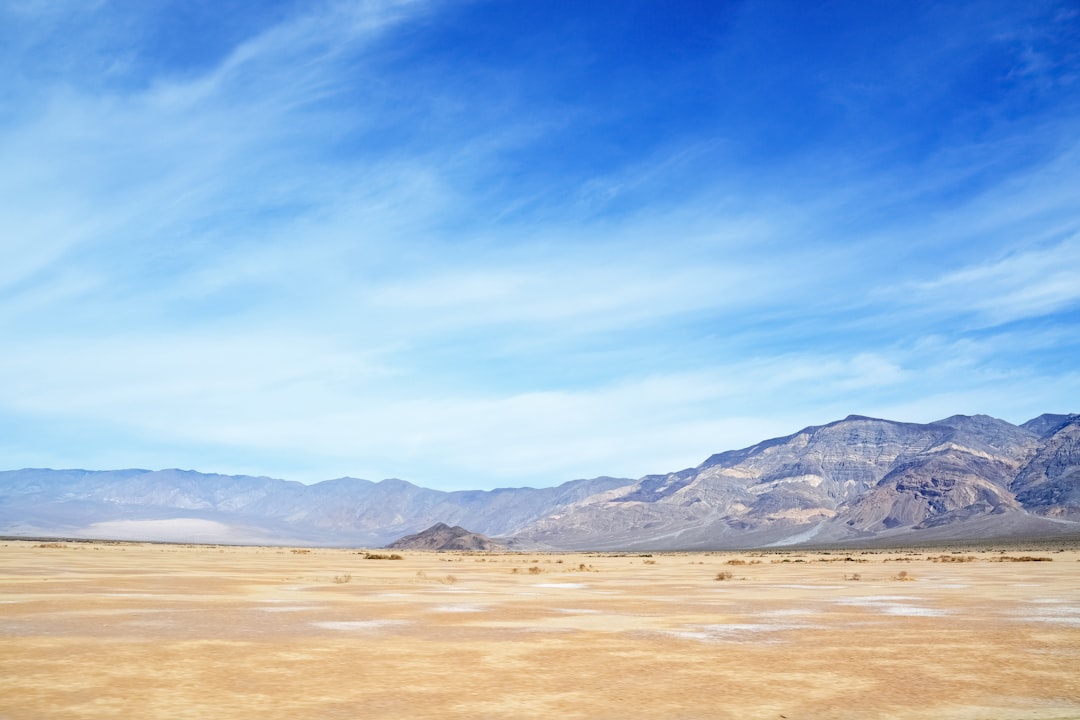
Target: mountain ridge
(852, 480)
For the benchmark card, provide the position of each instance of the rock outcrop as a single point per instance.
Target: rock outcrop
(441, 536)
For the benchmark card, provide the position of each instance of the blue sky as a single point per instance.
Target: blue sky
(481, 244)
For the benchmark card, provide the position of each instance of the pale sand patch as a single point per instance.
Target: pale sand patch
(729, 631)
(912, 611)
(460, 608)
(893, 605)
(1055, 612)
(1063, 620)
(172, 530)
(870, 600)
(457, 590)
(356, 624)
(787, 612)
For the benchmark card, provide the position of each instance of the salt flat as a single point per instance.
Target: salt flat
(99, 630)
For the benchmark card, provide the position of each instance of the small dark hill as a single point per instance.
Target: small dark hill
(441, 536)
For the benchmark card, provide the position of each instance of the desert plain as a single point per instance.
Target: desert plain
(141, 630)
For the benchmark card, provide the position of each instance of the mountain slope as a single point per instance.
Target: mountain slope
(1049, 485)
(848, 480)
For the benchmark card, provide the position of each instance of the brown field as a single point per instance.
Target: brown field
(99, 630)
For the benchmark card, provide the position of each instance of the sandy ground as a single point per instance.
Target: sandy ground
(96, 630)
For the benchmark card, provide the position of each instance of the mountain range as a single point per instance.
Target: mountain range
(856, 480)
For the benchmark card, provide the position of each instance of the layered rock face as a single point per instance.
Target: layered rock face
(1049, 485)
(855, 480)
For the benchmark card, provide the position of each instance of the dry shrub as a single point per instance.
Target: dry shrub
(648, 562)
(448, 580)
(724, 575)
(300, 551)
(953, 558)
(735, 562)
(381, 556)
(535, 570)
(342, 579)
(904, 576)
(853, 576)
(1021, 558)
(54, 545)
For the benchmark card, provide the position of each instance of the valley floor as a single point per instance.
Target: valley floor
(104, 630)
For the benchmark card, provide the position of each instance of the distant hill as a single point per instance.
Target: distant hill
(441, 536)
(855, 480)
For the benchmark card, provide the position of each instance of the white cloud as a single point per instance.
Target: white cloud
(1024, 284)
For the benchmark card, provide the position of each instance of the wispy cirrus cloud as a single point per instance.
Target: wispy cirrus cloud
(1026, 284)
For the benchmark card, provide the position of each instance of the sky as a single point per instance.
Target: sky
(478, 244)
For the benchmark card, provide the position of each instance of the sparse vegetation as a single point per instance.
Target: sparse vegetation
(724, 575)
(953, 558)
(904, 576)
(1021, 558)
(343, 579)
(382, 556)
(300, 551)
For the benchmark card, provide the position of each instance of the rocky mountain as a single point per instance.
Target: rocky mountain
(853, 480)
(858, 479)
(441, 536)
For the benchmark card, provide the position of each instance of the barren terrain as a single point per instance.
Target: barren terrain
(105, 630)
